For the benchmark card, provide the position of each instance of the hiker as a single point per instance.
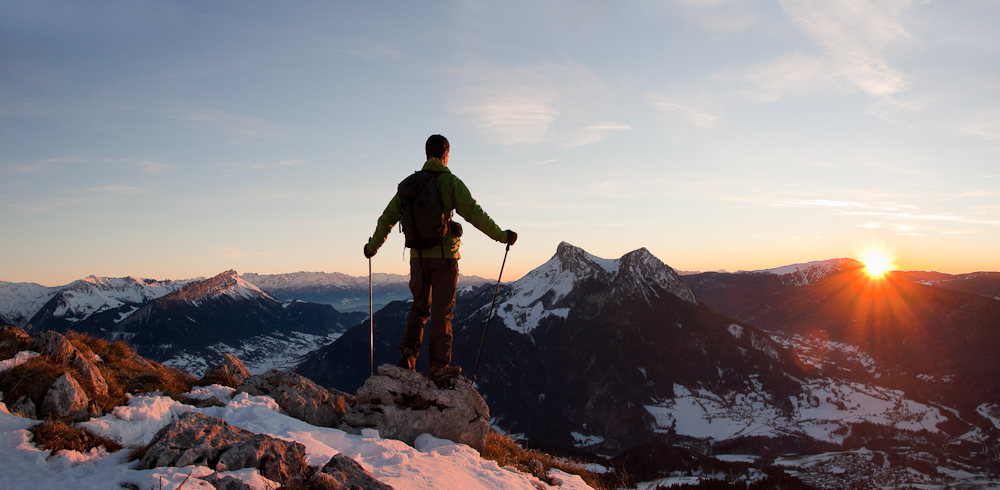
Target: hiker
(434, 262)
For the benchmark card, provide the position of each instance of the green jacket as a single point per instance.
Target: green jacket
(456, 197)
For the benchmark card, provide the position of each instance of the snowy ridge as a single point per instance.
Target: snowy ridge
(314, 280)
(93, 294)
(19, 301)
(810, 272)
(228, 284)
(80, 299)
(539, 293)
(301, 280)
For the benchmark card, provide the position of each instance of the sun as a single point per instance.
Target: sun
(877, 263)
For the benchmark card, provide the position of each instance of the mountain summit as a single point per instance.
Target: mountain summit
(560, 284)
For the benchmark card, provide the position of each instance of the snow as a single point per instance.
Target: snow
(19, 301)
(821, 412)
(259, 353)
(536, 296)
(18, 359)
(809, 272)
(431, 463)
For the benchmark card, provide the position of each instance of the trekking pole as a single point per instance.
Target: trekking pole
(371, 316)
(490, 316)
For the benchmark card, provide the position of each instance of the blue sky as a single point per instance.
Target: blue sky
(182, 139)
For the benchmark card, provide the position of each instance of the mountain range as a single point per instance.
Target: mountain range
(625, 357)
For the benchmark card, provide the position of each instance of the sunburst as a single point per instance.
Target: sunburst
(878, 260)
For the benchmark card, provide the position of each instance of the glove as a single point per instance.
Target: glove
(511, 237)
(368, 255)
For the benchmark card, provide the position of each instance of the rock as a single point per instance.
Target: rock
(65, 399)
(24, 407)
(59, 350)
(299, 397)
(230, 372)
(198, 439)
(402, 404)
(343, 473)
(226, 483)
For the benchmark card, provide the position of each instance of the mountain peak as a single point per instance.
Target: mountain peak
(809, 272)
(228, 283)
(644, 269)
(541, 292)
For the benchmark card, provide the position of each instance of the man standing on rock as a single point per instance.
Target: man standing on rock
(433, 266)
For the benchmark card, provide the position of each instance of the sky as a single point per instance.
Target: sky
(173, 140)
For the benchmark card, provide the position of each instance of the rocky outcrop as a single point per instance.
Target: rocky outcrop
(209, 441)
(343, 473)
(226, 482)
(402, 404)
(24, 407)
(60, 350)
(230, 372)
(65, 399)
(299, 397)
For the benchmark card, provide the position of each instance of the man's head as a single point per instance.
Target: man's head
(437, 147)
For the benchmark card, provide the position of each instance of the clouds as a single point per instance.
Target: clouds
(561, 103)
(854, 35)
(695, 105)
(794, 74)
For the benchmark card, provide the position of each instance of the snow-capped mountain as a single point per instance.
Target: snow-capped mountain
(98, 300)
(929, 340)
(344, 292)
(583, 345)
(810, 272)
(190, 328)
(616, 356)
(19, 301)
(546, 290)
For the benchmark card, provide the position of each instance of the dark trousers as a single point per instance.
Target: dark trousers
(433, 283)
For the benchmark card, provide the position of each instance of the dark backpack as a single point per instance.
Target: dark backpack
(423, 219)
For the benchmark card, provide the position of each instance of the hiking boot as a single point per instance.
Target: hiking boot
(409, 359)
(442, 375)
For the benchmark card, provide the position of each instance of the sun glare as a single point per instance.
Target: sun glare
(877, 263)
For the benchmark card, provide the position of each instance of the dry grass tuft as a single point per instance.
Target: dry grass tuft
(56, 435)
(31, 379)
(12, 341)
(506, 452)
(127, 372)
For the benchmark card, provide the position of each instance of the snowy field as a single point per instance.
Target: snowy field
(820, 412)
(433, 464)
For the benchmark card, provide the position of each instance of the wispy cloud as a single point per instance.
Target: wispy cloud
(563, 103)
(854, 35)
(829, 203)
(870, 225)
(543, 162)
(695, 106)
(794, 74)
(155, 166)
(927, 217)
